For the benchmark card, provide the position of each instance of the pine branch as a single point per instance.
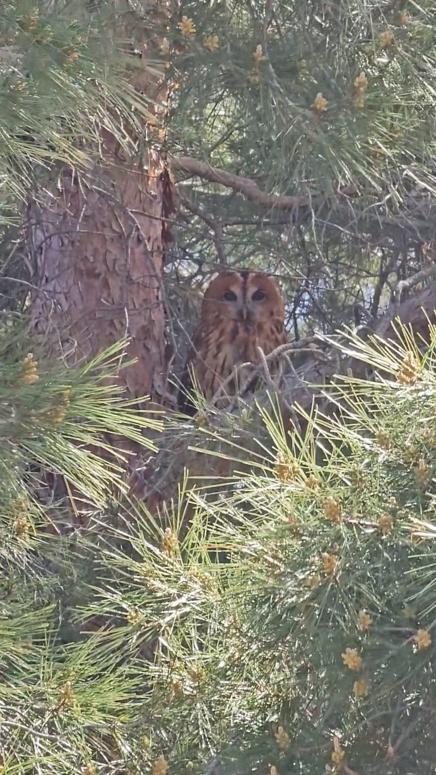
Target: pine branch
(241, 185)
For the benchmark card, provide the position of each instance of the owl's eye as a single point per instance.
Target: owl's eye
(230, 296)
(258, 295)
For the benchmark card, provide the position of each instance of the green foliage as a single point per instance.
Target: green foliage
(254, 102)
(332, 102)
(312, 644)
(59, 707)
(286, 622)
(61, 701)
(66, 73)
(60, 83)
(51, 418)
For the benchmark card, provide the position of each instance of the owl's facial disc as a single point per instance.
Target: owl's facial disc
(248, 298)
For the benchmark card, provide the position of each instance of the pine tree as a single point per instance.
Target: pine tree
(288, 626)
(61, 703)
(310, 649)
(96, 224)
(61, 707)
(308, 145)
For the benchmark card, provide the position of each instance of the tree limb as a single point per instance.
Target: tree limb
(241, 185)
(406, 285)
(380, 225)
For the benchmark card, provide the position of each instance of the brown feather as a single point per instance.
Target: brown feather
(240, 312)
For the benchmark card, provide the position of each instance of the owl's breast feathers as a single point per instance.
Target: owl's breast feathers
(218, 349)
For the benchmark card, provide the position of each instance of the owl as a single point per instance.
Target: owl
(240, 312)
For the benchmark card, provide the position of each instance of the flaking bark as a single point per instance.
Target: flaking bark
(99, 254)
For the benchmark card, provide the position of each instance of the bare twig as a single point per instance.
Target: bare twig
(349, 771)
(215, 226)
(262, 368)
(265, 369)
(235, 371)
(386, 267)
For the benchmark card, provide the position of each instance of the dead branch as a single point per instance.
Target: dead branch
(406, 285)
(415, 312)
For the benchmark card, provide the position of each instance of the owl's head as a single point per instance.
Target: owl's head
(247, 297)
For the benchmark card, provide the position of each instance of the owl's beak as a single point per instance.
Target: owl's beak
(246, 318)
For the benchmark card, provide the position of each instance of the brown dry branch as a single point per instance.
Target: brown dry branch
(340, 213)
(415, 312)
(406, 285)
(241, 185)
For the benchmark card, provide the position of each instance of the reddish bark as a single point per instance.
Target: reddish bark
(99, 254)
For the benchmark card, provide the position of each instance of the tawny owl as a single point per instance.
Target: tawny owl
(240, 312)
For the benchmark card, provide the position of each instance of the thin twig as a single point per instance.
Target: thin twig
(215, 226)
(406, 285)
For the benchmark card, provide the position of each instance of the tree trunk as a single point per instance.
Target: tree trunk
(97, 249)
(99, 255)
(98, 244)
